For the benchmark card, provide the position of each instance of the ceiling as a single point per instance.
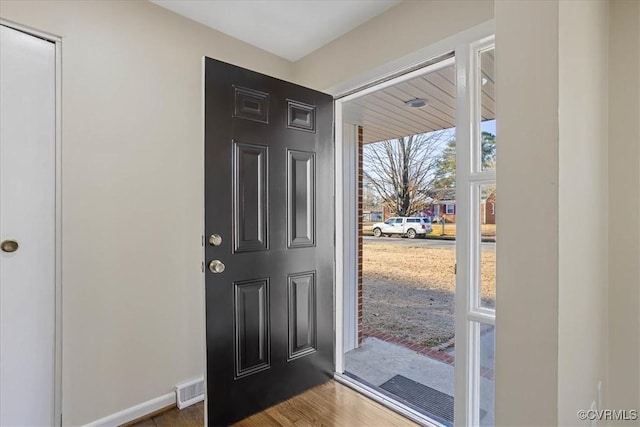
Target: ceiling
(289, 29)
(384, 115)
(293, 29)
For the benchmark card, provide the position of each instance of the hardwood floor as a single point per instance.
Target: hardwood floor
(331, 404)
(192, 416)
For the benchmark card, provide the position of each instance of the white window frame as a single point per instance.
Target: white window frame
(469, 179)
(450, 209)
(467, 333)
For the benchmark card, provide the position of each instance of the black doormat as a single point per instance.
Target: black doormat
(424, 399)
(428, 399)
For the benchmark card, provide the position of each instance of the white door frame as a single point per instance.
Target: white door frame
(390, 74)
(57, 41)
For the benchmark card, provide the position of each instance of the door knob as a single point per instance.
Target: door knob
(216, 266)
(9, 246)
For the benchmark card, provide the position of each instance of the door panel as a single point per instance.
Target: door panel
(250, 196)
(252, 326)
(251, 104)
(27, 215)
(269, 195)
(302, 314)
(301, 199)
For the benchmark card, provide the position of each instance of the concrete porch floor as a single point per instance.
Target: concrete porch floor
(377, 361)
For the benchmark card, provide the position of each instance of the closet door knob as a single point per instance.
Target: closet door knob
(9, 246)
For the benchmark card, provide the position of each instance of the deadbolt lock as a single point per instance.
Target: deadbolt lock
(216, 266)
(215, 240)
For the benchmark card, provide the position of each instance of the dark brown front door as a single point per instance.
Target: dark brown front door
(269, 232)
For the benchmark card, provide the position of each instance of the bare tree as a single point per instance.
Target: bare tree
(402, 170)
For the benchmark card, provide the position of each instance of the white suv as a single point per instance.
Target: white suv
(410, 226)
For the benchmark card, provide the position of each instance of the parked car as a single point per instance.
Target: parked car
(410, 226)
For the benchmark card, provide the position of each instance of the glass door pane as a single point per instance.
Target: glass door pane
(486, 86)
(486, 234)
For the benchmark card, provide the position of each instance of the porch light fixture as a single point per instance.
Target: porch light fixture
(416, 103)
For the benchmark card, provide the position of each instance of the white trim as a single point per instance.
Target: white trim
(135, 412)
(30, 30)
(482, 315)
(350, 241)
(473, 369)
(57, 395)
(463, 161)
(469, 178)
(204, 238)
(339, 171)
(400, 79)
(386, 401)
(486, 177)
(57, 41)
(407, 62)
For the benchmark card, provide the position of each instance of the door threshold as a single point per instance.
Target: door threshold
(386, 401)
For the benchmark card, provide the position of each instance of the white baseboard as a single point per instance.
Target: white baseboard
(135, 412)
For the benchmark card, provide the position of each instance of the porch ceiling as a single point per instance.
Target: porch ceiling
(384, 114)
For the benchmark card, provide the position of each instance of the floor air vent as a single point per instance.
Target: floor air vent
(189, 393)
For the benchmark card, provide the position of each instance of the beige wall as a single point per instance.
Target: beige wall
(624, 199)
(132, 195)
(583, 185)
(132, 177)
(403, 29)
(527, 270)
(132, 191)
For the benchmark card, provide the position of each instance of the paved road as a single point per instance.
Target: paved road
(422, 243)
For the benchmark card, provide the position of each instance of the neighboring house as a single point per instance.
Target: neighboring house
(446, 209)
(488, 209)
(372, 216)
(437, 210)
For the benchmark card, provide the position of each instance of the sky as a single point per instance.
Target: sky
(489, 126)
(486, 126)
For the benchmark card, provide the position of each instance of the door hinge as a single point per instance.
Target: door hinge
(455, 268)
(202, 266)
(203, 240)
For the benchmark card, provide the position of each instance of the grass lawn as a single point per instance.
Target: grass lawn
(488, 230)
(409, 292)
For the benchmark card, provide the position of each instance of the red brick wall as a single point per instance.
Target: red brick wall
(360, 173)
(386, 213)
(491, 213)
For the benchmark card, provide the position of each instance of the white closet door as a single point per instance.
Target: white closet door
(27, 216)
